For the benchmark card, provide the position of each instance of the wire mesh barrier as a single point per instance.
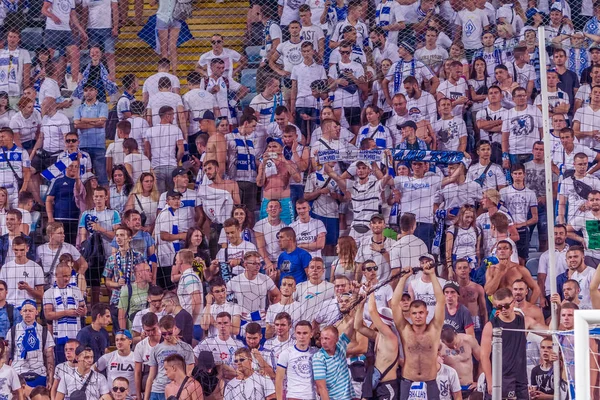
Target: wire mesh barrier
(292, 199)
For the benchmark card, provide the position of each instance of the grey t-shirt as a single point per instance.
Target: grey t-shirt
(459, 321)
(157, 358)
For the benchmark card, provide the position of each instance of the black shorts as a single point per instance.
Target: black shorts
(433, 392)
(513, 388)
(43, 160)
(389, 390)
(352, 115)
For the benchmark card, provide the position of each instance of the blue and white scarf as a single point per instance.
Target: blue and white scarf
(399, 73)
(124, 264)
(109, 85)
(267, 41)
(59, 167)
(174, 231)
(66, 327)
(245, 160)
(9, 66)
(270, 111)
(578, 64)
(383, 14)
(592, 26)
(29, 341)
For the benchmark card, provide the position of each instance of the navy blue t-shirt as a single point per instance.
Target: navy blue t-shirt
(63, 190)
(97, 340)
(294, 264)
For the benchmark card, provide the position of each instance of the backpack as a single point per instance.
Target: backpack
(183, 10)
(92, 250)
(110, 126)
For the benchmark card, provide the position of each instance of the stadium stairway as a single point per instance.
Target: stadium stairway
(228, 19)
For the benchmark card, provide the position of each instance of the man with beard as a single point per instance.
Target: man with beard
(420, 340)
(578, 271)
(457, 316)
(514, 358)
(217, 200)
(421, 105)
(570, 294)
(458, 351)
(383, 48)
(503, 274)
(335, 309)
(585, 222)
(519, 292)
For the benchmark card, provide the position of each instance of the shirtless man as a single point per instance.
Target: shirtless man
(216, 200)
(519, 291)
(458, 350)
(471, 296)
(420, 340)
(216, 147)
(386, 349)
(274, 174)
(503, 274)
(181, 385)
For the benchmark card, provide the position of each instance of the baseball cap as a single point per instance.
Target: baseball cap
(452, 285)
(173, 193)
(178, 171)
(125, 332)
(274, 139)
(30, 302)
(409, 124)
(207, 115)
(427, 256)
(206, 360)
(556, 6)
(377, 216)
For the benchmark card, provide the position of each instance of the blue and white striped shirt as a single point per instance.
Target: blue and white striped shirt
(334, 370)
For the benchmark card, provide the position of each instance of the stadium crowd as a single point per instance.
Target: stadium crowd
(211, 250)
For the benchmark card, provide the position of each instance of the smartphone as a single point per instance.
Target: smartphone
(272, 155)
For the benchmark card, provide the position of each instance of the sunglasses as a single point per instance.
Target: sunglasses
(344, 52)
(119, 389)
(239, 360)
(369, 269)
(504, 306)
(216, 41)
(71, 140)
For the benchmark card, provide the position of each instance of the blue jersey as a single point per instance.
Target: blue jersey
(294, 264)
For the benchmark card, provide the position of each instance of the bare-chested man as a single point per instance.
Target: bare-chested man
(519, 292)
(458, 350)
(216, 147)
(503, 274)
(386, 350)
(471, 296)
(274, 174)
(420, 340)
(217, 200)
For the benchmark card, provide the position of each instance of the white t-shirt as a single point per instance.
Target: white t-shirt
(99, 17)
(523, 128)
(161, 99)
(26, 128)
(448, 383)
(232, 308)
(151, 83)
(117, 366)
(196, 102)
(494, 176)
(366, 253)
(449, 132)
(229, 56)
(324, 205)
(418, 195)
(221, 95)
(290, 54)
(270, 233)
(432, 58)
(518, 202)
(49, 88)
(488, 115)
(139, 164)
(472, 23)
(277, 346)
(251, 295)
(560, 259)
(13, 273)
(389, 51)
(236, 252)
(255, 387)
(342, 97)
(584, 279)
(296, 310)
(589, 120)
(190, 283)
(383, 296)
(62, 9)
(408, 68)
(189, 201)
(423, 108)
(311, 296)
(307, 232)
(35, 358)
(165, 222)
(97, 387)
(312, 34)
(142, 351)
(424, 291)
(304, 75)
(139, 126)
(299, 372)
(290, 11)
(222, 350)
(566, 188)
(453, 92)
(45, 256)
(163, 139)
(9, 382)
(524, 75)
(54, 129)
(115, 151)
(406, 251)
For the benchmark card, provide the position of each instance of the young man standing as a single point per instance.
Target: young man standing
(310, 232)
(222, 346)
(22, 274)
(315, 290)
(216, 303)
(189, 289)
(471, 295)
(171, 344)
(262, 386)
(451, 130)
(293, 261)
(96, 387)
(95, 334)
(266, 232)
(490, 120)
(181, 386)
(169, 237)
(121, 362)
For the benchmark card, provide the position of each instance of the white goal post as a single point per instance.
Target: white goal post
(582, 321)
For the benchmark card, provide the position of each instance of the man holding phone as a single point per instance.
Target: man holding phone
(64, 306)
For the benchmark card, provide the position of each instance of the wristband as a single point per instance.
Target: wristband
(505, 156)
